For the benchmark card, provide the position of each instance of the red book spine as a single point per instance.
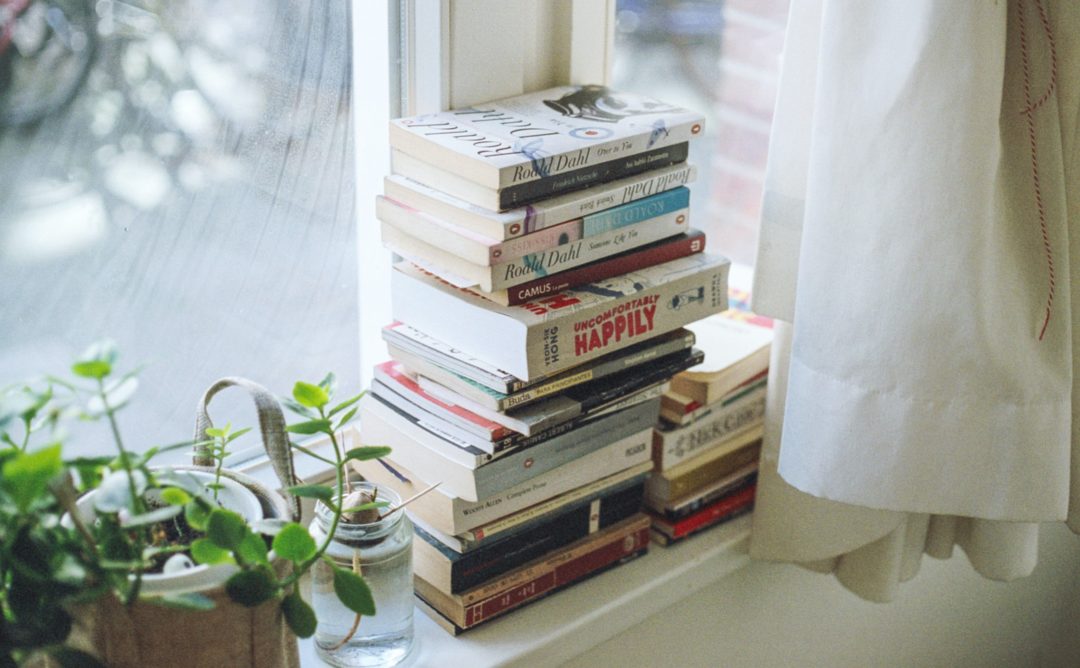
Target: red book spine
(563, 574)
(661, 251)
(714, 513)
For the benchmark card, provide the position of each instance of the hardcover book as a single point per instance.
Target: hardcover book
(426, 454)
(705, 468)
(528, 583)
(684, 506)
(540, 215)
(542, 135)
(500, 390)
(455, 572)
(723, 510)
(454, 515)
(567, 329)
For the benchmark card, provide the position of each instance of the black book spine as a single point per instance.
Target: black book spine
(474, 568)
(526, 193)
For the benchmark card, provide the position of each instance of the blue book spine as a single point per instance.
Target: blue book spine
(636, 212)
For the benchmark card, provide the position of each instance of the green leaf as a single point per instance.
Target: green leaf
(175, 496)
(345, 404)
(299, 615)
(310, 427)
(69, 657)
(96, 369)
(295, 544)
(216, 432)
(310, 395)
(320, 492)
(237, 434)
(204, 551)
(191, 601)
(348, 416)
(302, 411)
(197, 514)
(368, 452)
(26, 476)
(226, 528)
(329, 383)
(250, 588)
(353, 592)
(253, 550)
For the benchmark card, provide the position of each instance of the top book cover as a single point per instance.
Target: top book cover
(529, 137)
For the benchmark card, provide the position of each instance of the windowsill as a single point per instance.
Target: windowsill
(570, 622)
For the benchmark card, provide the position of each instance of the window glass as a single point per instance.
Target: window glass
(178, 176)
(720, 57)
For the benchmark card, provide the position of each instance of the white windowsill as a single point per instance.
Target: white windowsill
(570, 622)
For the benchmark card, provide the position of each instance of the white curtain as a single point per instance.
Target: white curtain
(915, 250)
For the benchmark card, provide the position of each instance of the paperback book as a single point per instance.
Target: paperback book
(540, 135)
(474, 378)
(432, 458)
(707, 467)
(455, 572)
(736, 348)
(454, 515)
(728, 508)
(672, 445)
(539, 215)
(556, 333)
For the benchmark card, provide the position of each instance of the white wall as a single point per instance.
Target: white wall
(781, 615)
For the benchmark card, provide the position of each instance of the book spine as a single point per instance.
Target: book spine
(516, 468)
(542, 187)
(508, 523)
(636, 212)
(497, 377)
(567, 256)
(662, 487)
(562, 567)
(691, 507)
(721, 510)
(672, 447)
(392, 375)
(656, 253)
(604, 196)
(541, 240)
(476, 567)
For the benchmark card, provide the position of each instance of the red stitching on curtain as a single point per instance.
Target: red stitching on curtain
(1029, 112)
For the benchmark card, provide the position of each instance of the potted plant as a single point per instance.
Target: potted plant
(114, 561)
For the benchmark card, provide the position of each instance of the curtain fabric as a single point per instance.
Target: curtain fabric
(915, 251)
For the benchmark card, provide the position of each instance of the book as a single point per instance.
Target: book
(426, 453)
(543, 136)
(705, 468)
(541, 264)
(556, 333)
(534, 192)
(525, 584)
(657, 252)
(574, 401)
(736, 348)
(684, 506)
(539, 513)
(718, 512)
(455, 572)
(680, 410)
(454, 515)
(480, 250)
(472, 377)
(673, 445)
(539, 215)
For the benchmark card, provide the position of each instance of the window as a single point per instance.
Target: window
(720, 57)
(190, 194)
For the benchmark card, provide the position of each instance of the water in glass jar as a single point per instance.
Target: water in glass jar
(382, 640)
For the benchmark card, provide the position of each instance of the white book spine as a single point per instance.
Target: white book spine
(674, 446)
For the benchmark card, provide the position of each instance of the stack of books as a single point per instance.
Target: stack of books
(548, 271)
(708, 440)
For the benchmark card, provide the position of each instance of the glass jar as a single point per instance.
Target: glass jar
(383, 552)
